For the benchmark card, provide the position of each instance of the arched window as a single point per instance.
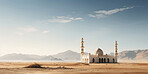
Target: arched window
(104, 60)
(107, 60)
(99, 60)
(113, 60)
(93, 60)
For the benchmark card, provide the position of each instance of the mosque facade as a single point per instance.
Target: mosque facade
(98, 56)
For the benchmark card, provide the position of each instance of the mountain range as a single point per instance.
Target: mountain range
(15, 56)
(68, 55)
(134, 55)
(71, 55)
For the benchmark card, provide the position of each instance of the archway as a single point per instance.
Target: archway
(113, 60)
(107, 60)
(104, 60)
(101, 60)
(93, 60)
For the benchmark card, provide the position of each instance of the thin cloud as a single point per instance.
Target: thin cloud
(64, 19)
(59, 20)
(105, 13)
(110, 12)
(45, 32)
(28, 29)
(23, 30)
(78, 18)
(97, 15)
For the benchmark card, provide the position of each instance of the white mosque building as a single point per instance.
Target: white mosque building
(98, 57)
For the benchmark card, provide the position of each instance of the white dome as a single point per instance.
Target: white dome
(99, 52)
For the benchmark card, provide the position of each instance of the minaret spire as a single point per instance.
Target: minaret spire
(116, 54)
(82, 46)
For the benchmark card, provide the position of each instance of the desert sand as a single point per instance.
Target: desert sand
(73, 68)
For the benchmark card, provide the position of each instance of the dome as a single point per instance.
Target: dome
(99, 52)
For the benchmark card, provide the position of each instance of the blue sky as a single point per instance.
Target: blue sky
(48, 27)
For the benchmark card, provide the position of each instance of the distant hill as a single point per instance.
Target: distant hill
(124, 55)
(68, 55)
(71, 55)
(50, 58)
(15, 56)
(134, 55)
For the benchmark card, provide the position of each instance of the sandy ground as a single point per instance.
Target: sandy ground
(73, 68)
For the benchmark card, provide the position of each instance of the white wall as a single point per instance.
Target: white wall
(89, 58)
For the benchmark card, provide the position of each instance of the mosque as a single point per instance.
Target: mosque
(98, 57)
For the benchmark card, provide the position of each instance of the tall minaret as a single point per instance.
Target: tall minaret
(82, 47)
(116, 54)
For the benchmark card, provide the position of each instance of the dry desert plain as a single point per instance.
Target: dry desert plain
(73, 68)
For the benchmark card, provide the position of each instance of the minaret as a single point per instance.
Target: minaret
(116, 54)
(82, 47)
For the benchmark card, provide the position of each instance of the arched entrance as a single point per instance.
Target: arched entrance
(113, 60)
(93, 60)
(104, 60)
(99, 60)
(107, 60)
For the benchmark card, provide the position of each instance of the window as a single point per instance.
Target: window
(107, 60)
(99, 60)
(113, 60)
(104, 60)
(93, 60)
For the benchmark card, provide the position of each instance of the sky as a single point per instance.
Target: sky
(47, 27)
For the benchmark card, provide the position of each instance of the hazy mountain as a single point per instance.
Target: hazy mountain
(68, 55)
(134, 55)
(71, 55)
(124, 55)
(49, 58)
(15, 56)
